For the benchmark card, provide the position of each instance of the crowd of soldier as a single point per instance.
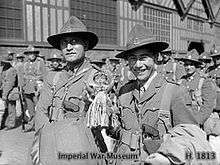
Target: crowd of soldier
(148, 99)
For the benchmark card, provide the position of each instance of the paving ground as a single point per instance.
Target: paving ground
(14, 147)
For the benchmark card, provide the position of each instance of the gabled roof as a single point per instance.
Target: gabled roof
(215, 6)
(211, 7)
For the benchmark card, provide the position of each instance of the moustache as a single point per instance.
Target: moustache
(146, 67)
(70, 53)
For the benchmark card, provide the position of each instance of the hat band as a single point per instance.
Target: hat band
(136, 43)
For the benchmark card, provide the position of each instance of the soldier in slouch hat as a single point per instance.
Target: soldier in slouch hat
(151, 107)
(60, 113)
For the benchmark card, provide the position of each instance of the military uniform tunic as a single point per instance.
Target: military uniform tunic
(30, 73)
(201, 99)
(9, 82)
(67, 124)
(151, 108)
(171, 70)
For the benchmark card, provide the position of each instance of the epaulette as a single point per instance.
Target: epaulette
(169, 80)
(95, 67)
(128, 87)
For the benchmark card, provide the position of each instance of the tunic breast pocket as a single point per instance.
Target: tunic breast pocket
(188, 100)
(73, 104)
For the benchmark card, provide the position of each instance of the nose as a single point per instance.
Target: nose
(69, 46)
(138, 64)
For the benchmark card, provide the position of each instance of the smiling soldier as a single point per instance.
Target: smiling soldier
(150, 107)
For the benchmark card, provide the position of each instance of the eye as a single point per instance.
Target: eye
(132, 58)
(143, 58)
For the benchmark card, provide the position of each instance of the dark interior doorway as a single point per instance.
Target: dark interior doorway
(199, 46)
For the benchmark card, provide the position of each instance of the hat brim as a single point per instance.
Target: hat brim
(155, 47)
(50, 59)
(92, 38)
(205, 60)
(215, 55)
(191, 60)
(31, 52)
(6, 62)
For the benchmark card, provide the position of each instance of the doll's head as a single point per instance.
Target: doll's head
(101, 78)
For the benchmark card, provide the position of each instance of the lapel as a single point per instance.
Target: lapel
(153, 88)
(136, 93)
(67, 79)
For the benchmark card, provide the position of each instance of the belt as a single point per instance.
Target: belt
(78, 115)
(131, 138)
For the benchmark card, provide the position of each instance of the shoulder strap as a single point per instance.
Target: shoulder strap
(174, 70)
(24, 67)
(72, 79)
(201, 81)
(164, 114)
(56, 78)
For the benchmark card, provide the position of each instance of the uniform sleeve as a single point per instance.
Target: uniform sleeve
(20, 72)
(9, 83)
(41, 71)
(181, 108)
(42, 106)
(209, 98)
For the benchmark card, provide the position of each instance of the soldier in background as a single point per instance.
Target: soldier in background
(55, 58)
(9, 95)
(32, 73)
(206, 60)
(169, 66)
(200, 89)
(11, 57)
(19, 60)
(215, 68)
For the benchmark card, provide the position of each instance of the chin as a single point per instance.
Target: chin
(142, 78)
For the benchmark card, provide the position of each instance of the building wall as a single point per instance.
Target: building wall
(31, 21)
(178, 33)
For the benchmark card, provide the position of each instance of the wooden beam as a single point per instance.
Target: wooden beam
(189, 5)
(179, 6)
(208, 10)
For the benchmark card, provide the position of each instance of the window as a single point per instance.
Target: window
(99, 16)
(45, 18)
(158, 22)
(11, 18)
(195, 25)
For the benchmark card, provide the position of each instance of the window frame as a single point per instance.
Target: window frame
(163, 21)
(48, 5)
(16, 41)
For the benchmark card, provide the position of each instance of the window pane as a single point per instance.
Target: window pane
(11, 20)
(45, 23)
(158, 22)
(52, 21)
(37, 24)
(44, 1)
(29, 23)
(66, 3)
(52, 2)
(48, 16)
(66, 15)
(100, 17)
(59, 2)
(60, 19)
